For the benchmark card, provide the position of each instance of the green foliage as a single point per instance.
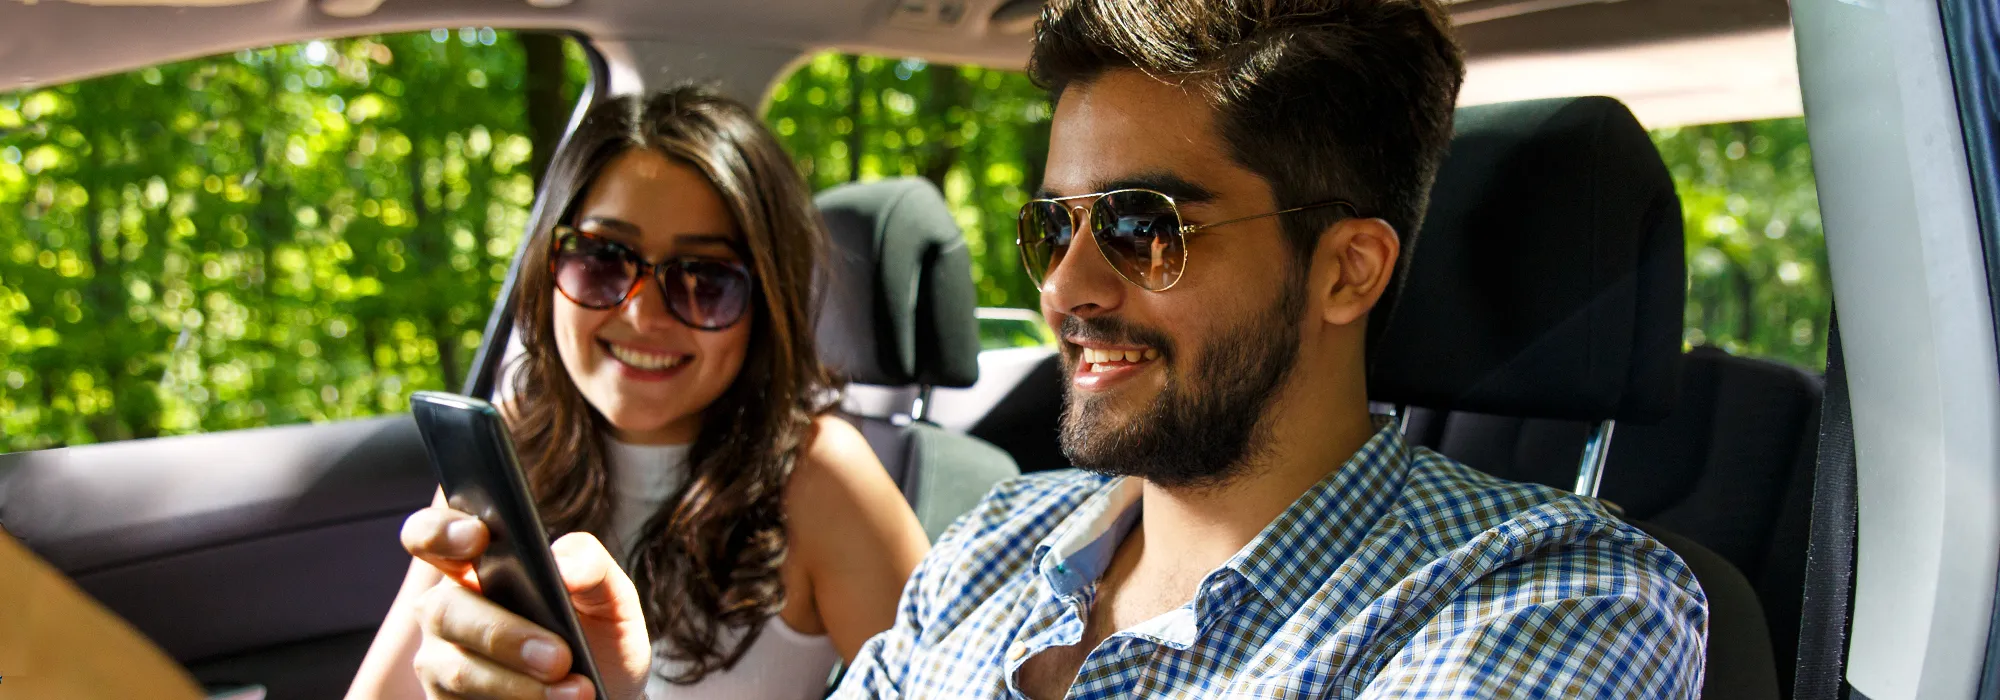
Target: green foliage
(1756, 255)
(312, 232)
(302, 233)
(1757, 272)
(978, 133)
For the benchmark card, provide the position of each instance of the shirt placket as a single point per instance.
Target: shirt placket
(1055, 621)
(1112, 669)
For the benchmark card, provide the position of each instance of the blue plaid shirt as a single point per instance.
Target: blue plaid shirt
(1402, 574)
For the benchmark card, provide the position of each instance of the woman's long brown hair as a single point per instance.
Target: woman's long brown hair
(708, 561)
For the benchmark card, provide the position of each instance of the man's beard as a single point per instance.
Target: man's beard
(1201, 430)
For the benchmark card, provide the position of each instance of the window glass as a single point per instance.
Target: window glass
(1756, 256)
(980, 134)
(1757, 271)
(300, 233)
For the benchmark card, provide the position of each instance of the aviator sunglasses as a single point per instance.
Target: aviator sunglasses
(597, 273)
(1138, 231)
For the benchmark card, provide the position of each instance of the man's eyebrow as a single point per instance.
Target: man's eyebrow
(1169, 184)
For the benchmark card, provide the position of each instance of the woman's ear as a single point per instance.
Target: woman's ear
(1351, 268)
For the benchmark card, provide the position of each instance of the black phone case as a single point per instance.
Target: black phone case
(475, 463)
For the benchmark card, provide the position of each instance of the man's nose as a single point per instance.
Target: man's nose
(1083, 282)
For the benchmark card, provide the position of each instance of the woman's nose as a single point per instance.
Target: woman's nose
(647, 309)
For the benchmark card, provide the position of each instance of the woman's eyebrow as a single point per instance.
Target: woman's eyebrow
(617, 227)
(706, 240)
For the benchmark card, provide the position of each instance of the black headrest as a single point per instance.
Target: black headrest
(1549, 278)
(899, 307)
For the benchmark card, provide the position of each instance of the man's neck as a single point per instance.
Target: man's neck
(1200, 528)
(1309, 435)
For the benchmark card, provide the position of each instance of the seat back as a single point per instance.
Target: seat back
(1548, 283)
(1730, 469)
(899, 316)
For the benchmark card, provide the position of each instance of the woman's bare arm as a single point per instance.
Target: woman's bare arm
(857, 535)
(387, 673)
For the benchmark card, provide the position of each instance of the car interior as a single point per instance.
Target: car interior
(1534, 305)
(1537, 337)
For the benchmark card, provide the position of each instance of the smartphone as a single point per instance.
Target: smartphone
(475, 463)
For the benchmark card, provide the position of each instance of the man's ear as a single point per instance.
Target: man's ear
(1352, 266)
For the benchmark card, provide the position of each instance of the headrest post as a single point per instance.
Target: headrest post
(920, 408)
(1595, 453)
(1402, 420)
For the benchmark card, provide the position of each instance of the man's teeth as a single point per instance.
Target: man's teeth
(644, 360)
(1099, 356)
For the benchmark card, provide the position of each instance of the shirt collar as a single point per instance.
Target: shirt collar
(1286, 561)
(1076, 553)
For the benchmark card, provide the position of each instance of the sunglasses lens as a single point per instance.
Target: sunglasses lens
(593, 273)
(1045, 235)
(706, 294)
(1140, 233)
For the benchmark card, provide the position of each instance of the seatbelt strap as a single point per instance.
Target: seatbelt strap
(1828, 606)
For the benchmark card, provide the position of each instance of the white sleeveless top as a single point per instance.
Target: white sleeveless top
(783, 663)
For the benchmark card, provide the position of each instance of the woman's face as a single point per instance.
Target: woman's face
(648, 373)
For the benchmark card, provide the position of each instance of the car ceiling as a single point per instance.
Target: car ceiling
(1674, 61)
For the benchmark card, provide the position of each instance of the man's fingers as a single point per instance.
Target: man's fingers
(447, 539)
(481, 628)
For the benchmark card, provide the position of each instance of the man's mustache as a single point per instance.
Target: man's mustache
(1111, 330)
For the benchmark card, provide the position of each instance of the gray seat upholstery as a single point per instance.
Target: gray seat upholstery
(899, 311)
(1548, 283)
(1730, 469)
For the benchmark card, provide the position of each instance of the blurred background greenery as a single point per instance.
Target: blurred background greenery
(311, 232)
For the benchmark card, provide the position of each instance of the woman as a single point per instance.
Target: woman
(671, 403)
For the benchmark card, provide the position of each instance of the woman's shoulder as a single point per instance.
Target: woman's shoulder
(834, 458)
(837, 478)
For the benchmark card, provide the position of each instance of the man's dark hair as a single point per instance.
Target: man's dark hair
(1325, 99)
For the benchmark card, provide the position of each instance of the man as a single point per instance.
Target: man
(1242, 527)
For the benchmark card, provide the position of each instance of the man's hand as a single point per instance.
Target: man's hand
(473, 648)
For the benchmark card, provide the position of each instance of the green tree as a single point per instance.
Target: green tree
(311, 232)
(980, 134)
(1757, 272)
(1756, 254)
(301, 233)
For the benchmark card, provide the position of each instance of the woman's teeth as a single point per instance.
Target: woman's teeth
(644, 360)
(1101, 356)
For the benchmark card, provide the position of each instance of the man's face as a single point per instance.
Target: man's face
(1168, 386)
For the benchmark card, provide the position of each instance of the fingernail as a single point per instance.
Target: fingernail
(539, 654)
(462, 534)
(566, 691)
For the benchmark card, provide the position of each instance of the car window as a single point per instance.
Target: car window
(1756, 255)
(979, 134)
(306, 232)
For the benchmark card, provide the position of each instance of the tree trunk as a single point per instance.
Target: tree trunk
(105, 293)
(947, 91)
(447, 340)
(547, 110)
(1746, 294)
(855, 85)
